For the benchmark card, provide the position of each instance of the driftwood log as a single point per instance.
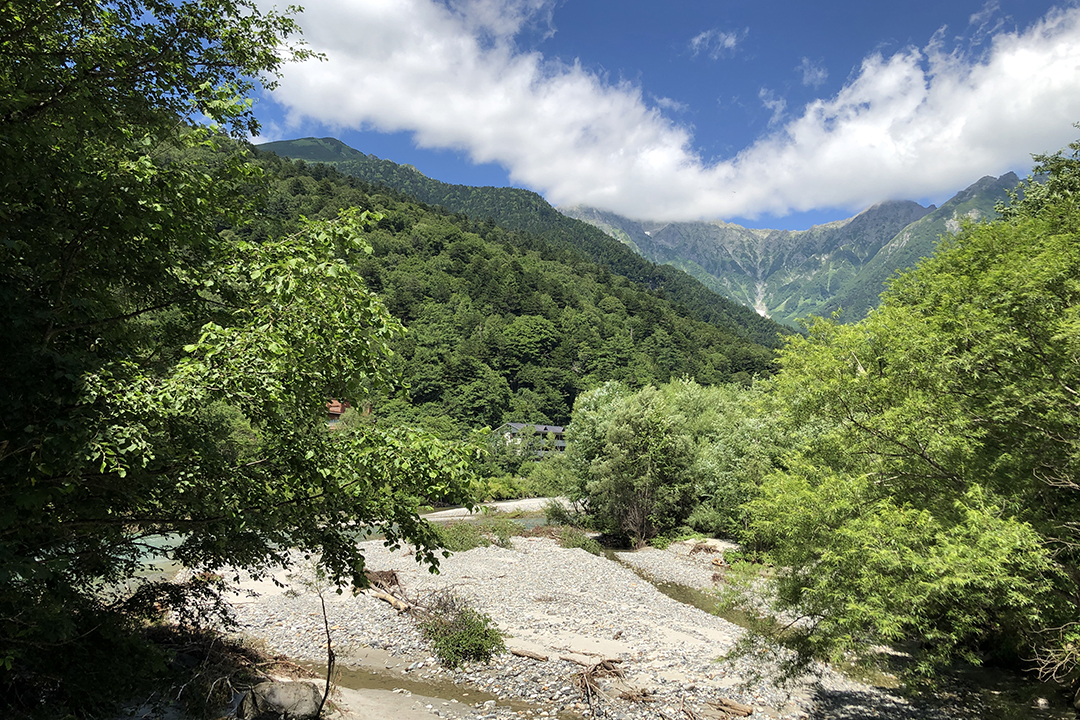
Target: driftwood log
(396, 603)
(382, 579)
(731, 707)
(587, 662)
(528, 654)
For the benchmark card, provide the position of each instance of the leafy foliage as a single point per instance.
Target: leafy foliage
(160, 378)
(572, 537)
(939, 509)
(668, 460)
(503, 326)
(458, 632)
(526, 212)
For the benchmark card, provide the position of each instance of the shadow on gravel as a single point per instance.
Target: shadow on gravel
(856, 705)
(984, 701)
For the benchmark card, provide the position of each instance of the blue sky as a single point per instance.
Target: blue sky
(770, 113)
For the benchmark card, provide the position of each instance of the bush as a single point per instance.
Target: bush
(457, 632)
(571, 537)
(556, 513)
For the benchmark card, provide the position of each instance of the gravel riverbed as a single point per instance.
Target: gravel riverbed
(563, 603)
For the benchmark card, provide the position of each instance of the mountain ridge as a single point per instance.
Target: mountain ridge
(527, 211)
(789, 274)
(785, 275)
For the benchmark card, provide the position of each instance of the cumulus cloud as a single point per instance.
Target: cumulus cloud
(813, 74)
(916, 123)
(716, 43)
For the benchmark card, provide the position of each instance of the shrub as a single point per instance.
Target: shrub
(457, 632)
(571, 537)
(498, 528)
(556, 513)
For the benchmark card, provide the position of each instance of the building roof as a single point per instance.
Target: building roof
(544, 429)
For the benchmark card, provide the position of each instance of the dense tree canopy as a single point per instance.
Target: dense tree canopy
(942, 508)
(501, 325)
(678, 458)
(157, 376)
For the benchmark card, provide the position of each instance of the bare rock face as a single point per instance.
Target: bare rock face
(280, 701)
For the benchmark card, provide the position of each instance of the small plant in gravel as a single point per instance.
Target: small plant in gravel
(458, 632)
(572, 537)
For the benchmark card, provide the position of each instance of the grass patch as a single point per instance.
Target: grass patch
(491, 529)
(572, 537)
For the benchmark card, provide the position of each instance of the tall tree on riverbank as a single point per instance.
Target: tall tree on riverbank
(158, 377)
(942, 509)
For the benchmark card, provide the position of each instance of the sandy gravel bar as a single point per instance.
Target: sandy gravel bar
(560, 603)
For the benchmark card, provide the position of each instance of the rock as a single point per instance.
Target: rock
(280, 701)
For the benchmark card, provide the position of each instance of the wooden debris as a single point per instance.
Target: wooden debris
(703, 547)
(383, 579)
(731, 707)
(396, 603)
(528, 654)
(588, 662)
(637, 695)
(690, 714)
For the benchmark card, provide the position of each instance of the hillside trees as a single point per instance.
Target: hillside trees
(501, 327)
(942, 508)
(158, 377)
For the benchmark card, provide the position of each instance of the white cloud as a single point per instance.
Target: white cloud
(913, 124)
(774, 104)
(813, 74)
(716, 43)
(667, 103)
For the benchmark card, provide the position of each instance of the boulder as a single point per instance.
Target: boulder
(280, 701)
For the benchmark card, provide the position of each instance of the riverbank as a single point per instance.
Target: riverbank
(558, 603)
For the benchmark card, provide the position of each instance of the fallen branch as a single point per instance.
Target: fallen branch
(528, 654)
(396, 603)
(587, 662)
(731, 707)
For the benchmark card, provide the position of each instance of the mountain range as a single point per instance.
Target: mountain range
(783, 275)
(787, 275)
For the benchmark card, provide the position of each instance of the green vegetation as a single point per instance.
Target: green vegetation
(526, 212)
(159, 377)
(794, 274)
(911, 479)
(491, 529)
(672, 460)
(502, 326)
(938, 509)
(572, 537)
(458, 633)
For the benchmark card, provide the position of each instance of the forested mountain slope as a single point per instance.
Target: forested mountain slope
(502, 325)
(788, 275)
(522, 210)
(916, 241)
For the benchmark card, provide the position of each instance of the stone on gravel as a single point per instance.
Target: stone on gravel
(280, 701)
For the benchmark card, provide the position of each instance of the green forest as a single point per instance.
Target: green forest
(503, 325)
(180, 307)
